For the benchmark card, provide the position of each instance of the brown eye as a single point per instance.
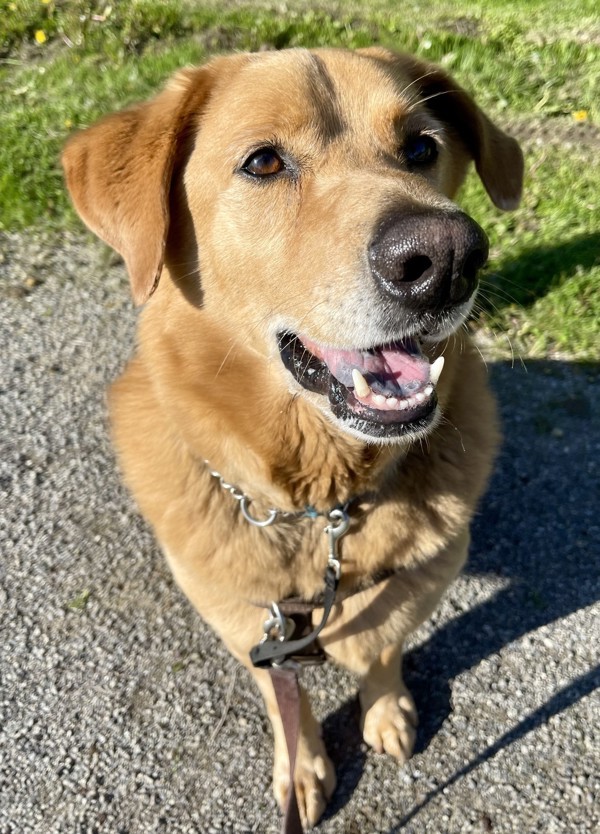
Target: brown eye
(264, 163)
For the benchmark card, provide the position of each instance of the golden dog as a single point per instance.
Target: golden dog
(288, 218)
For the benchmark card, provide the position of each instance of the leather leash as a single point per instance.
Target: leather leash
(285, 647)
(288, 642)
(283, 659)
(282, 651)
(287, 693)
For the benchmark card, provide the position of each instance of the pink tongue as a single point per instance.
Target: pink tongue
(396, 366)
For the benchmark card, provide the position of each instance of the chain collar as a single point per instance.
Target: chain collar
(274, 515)
(277, 646)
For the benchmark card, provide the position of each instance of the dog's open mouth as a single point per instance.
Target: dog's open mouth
(385, 391)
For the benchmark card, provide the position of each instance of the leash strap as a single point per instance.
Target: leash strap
(282, 656)
(281, 652)
(287, 693)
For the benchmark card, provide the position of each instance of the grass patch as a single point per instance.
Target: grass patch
(63, 63)
(542, 288)
(79, 602)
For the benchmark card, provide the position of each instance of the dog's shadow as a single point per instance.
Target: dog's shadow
(537, 529)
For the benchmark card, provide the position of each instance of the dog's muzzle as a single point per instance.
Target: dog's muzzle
(428, 262)
(425, 266)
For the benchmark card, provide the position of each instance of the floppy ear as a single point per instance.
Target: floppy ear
(119, 174)
(497, 156)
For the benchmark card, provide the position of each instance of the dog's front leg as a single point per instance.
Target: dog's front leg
(367, 637)
(240, 625)
(388, 712)
(314, 776)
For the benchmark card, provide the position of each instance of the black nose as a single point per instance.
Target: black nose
(430, 260)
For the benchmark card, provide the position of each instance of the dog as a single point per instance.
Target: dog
(288, 220)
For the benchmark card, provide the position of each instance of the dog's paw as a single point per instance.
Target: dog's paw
(389, 724)
(314, 780)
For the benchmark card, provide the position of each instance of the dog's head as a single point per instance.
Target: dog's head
(304, 200)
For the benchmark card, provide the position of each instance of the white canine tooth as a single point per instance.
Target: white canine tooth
(361, 386)
(436, 370)
(428, 390)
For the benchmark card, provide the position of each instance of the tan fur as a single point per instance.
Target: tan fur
(238, 261)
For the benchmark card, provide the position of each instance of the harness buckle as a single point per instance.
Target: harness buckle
(277, 627)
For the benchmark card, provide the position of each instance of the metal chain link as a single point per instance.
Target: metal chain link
(245, 501)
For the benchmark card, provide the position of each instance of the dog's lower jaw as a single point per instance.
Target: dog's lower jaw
(400, 441)
(383, 394)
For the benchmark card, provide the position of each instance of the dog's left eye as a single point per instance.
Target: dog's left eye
(421, 150)
(264, 163)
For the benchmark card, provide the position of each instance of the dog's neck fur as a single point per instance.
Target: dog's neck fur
(322, 466)
(274, 445)
(304, 456)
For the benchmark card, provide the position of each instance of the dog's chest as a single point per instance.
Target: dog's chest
(291, 560)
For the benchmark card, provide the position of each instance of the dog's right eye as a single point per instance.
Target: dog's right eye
(265, 162)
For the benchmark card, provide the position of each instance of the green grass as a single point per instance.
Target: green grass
(543, 286)
(532, 64)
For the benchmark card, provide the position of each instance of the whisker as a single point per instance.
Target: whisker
(481, 354)
(437, 95)
(415, 98)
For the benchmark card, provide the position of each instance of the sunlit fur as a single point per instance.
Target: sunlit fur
(238, 259)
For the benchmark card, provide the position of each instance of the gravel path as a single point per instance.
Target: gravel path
(121, 713)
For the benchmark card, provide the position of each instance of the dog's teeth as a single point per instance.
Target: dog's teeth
(428, 390)
(436, 370)
(361, 386)
(392, 402)
(420, 397)
(378, 399)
